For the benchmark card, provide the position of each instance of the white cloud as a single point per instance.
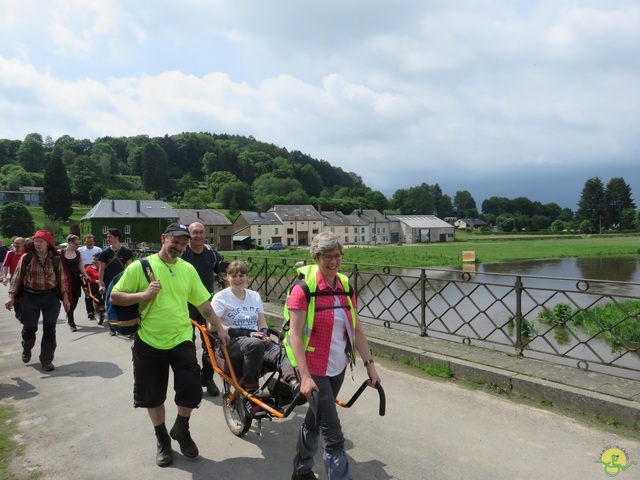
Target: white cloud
(458, 93)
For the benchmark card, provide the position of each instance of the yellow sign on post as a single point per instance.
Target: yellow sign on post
(469, 256)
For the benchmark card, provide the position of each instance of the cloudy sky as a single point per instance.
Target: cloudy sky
(500, 98)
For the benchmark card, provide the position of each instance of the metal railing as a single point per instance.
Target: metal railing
(590, 324)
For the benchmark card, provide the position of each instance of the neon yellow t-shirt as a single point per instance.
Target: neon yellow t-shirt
(165, 321)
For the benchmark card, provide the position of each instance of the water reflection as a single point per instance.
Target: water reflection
(620, 269)
(481, 305)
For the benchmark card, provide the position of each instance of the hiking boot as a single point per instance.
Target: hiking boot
(306, 475)
(164, 455)
(212, 388)
(180, 433)
(26, 353)
(48, 366)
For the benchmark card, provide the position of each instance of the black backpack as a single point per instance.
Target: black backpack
(125, 320)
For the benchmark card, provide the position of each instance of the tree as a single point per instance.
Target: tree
(86, 180)
(310, 180)
(219, 179)
(154, 169)
(16, 220)
(617, 198)
(591, 204)
(57, 198)
(195, 198)
(236, 194)
(270, 190)
(31, 153)
(465, 205)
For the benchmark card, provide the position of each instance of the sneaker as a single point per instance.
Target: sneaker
(26, 356)
(212, 388)
(73, 327)
(306, 475)
(91, 316)
(251, 408)
(48, 366)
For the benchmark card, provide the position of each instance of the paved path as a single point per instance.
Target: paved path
(78, 423)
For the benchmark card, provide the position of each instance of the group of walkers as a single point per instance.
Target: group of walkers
(324, 333)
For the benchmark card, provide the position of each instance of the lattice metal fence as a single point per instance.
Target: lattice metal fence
(591, 324)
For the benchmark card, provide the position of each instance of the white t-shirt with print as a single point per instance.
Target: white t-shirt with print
(236, 313)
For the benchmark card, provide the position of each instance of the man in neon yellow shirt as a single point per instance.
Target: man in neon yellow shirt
(165, 338)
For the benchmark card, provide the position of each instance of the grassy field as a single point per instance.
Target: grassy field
(487, 249)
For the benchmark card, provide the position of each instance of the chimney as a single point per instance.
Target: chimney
(138, 206)
(197, 214)
(113, 205)
(260, 214)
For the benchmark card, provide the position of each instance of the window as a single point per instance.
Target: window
(346, 239)
(315, 231)
(259, 230)
(276, 231)
(346, 229)
(289, 231)
(127, 229)
(105, 229)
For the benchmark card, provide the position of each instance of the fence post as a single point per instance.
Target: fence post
(423, 303)
(518, 290)
(266, 278)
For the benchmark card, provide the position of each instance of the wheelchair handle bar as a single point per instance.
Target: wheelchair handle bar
(377, 386)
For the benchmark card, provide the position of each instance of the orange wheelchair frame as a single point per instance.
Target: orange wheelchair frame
(271, 403)
(86, 287)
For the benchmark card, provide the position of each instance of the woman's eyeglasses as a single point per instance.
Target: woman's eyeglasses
(328, 258)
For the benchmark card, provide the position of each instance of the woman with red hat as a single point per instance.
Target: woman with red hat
(41, 280)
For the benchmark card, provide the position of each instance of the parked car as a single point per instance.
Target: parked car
(276, 246)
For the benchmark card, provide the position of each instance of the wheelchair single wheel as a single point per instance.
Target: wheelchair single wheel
(235, 415)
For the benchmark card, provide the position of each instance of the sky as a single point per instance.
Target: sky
(495, 97)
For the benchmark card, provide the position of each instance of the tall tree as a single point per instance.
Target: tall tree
(31, 153)
(617, 198)
(57, 191)
(465, 205)
(591, 204)
(154, 169)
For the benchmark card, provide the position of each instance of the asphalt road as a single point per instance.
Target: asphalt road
(78, 423)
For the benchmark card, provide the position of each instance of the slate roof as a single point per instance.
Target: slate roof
(131, 209)
(296, 213)
(206, 216)
(261, 218)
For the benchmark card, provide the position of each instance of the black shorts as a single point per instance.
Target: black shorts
(151, 375)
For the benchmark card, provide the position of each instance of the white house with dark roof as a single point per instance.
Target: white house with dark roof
(379, 225)
(423, 229)
(218, 228)
(300, 222)
(263, 228)
(351, 229)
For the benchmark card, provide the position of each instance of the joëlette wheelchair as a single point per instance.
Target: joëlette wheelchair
(96, 299)
(273, 398)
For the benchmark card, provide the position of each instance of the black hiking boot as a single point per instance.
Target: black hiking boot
(164, 456)
(180, 433)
